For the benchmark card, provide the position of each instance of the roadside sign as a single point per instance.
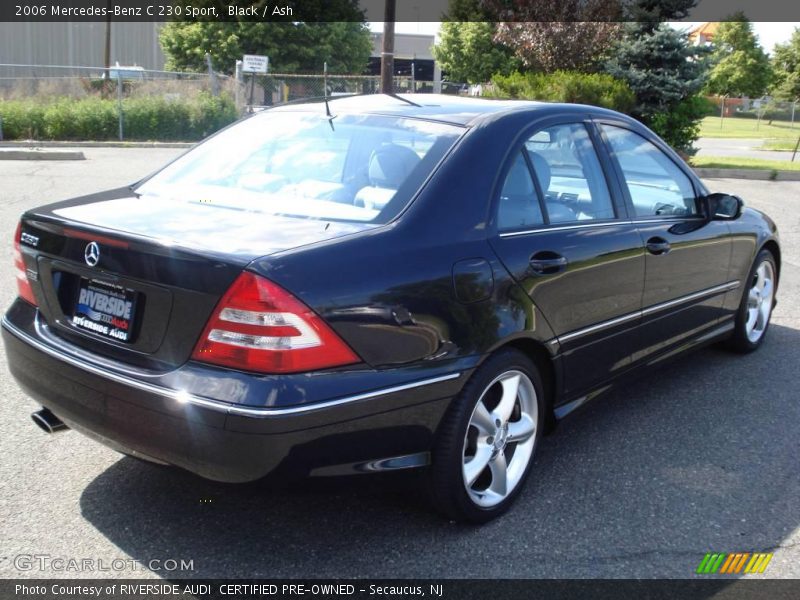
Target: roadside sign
(253, 63)
(126, 73)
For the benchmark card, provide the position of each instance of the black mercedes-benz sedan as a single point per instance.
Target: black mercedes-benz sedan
(380, 283)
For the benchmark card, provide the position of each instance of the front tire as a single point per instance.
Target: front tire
(755, 309)
(486, 443)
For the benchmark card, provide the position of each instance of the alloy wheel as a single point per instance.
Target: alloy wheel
(759, 301)
(500, 437)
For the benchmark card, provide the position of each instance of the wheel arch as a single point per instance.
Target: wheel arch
(775, 249)
(544, 361)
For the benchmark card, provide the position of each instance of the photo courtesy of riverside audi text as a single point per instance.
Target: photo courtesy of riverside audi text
(393, 299)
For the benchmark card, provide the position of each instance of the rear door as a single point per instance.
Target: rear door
(564, 236)
(687, 257)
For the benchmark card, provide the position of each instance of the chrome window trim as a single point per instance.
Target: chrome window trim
(725, 287)
(654, 219)
(183, 397)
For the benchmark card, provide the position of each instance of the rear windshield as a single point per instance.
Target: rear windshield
(350, 168)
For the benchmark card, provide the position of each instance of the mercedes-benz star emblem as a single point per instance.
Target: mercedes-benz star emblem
(92, 254)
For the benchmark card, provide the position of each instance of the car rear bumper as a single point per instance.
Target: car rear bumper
(376, 429)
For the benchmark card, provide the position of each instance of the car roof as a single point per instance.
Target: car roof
(457, 110)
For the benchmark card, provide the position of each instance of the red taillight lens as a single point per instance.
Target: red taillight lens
(259, 326)
(21, 275)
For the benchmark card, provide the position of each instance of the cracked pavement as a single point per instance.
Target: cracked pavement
(700, 456)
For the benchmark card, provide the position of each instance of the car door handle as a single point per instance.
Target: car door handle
(657, 245)
(547, 263)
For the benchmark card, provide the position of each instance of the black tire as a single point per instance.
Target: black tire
(447, 484)
(740, 341)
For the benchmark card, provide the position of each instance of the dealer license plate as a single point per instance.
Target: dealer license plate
(105, 309)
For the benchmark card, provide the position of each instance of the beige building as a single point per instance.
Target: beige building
(79, 44)
(410, 49)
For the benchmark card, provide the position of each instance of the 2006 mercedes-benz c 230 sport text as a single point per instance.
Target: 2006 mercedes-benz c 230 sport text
(380, 283)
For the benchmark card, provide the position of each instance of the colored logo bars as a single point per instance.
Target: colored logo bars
(733, 563)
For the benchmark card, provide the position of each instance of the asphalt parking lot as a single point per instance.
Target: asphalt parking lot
(701, 456)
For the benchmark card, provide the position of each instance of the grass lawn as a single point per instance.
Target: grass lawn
(735, 162)
(746, 128)
(787, 145)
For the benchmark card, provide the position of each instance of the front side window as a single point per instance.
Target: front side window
(658, 187)
(351, 168)
(570, 181)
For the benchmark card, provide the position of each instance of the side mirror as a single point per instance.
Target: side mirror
(722, 207)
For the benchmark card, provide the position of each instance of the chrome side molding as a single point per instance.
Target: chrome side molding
(183, 397)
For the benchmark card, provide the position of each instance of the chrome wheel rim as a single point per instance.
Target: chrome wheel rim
(498, 444)
(759, 301)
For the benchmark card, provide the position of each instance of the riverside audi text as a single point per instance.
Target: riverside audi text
(378, 283)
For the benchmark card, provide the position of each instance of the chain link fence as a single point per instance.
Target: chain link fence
(279, 88)
(121, 102)
(758, 109)
(45, 82)
(128, 88)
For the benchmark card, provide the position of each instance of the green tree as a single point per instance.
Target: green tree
(468, 53)
(665, 73)
(740, 65)
(551, 46)
(552, 35)
(292, 47)
(786, 66)
(597, 89)
(648, 14)
(469, 10)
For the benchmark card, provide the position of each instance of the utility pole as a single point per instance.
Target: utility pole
(107, 55)
(387, 52)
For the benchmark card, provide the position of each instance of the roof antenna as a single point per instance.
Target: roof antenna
(325, 85)
(401, 99)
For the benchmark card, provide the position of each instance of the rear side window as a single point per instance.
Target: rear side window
(569, 182)
(657, 186)
(519, 205)
(351, 168)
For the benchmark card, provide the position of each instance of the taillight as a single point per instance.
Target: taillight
(259, 326)
(23, 285)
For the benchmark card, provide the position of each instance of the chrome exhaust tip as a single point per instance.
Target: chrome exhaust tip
(48, 422)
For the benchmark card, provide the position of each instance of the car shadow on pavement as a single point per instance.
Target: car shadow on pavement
(698, 456)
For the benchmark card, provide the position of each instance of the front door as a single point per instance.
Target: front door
(686, 256)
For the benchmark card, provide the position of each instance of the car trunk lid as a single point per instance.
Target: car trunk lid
(136, 278)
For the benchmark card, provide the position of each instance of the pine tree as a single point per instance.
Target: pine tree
(665, 73)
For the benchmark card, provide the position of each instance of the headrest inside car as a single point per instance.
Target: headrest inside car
(390, 165)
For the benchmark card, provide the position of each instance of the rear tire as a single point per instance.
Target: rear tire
(755, 309)
(487, 440)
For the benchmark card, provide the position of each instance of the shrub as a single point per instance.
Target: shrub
(87, 119)
(566, 86)
(93, 118)
(22, 120)
(681, 126)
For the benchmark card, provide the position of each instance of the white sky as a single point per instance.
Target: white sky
(768, 34)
